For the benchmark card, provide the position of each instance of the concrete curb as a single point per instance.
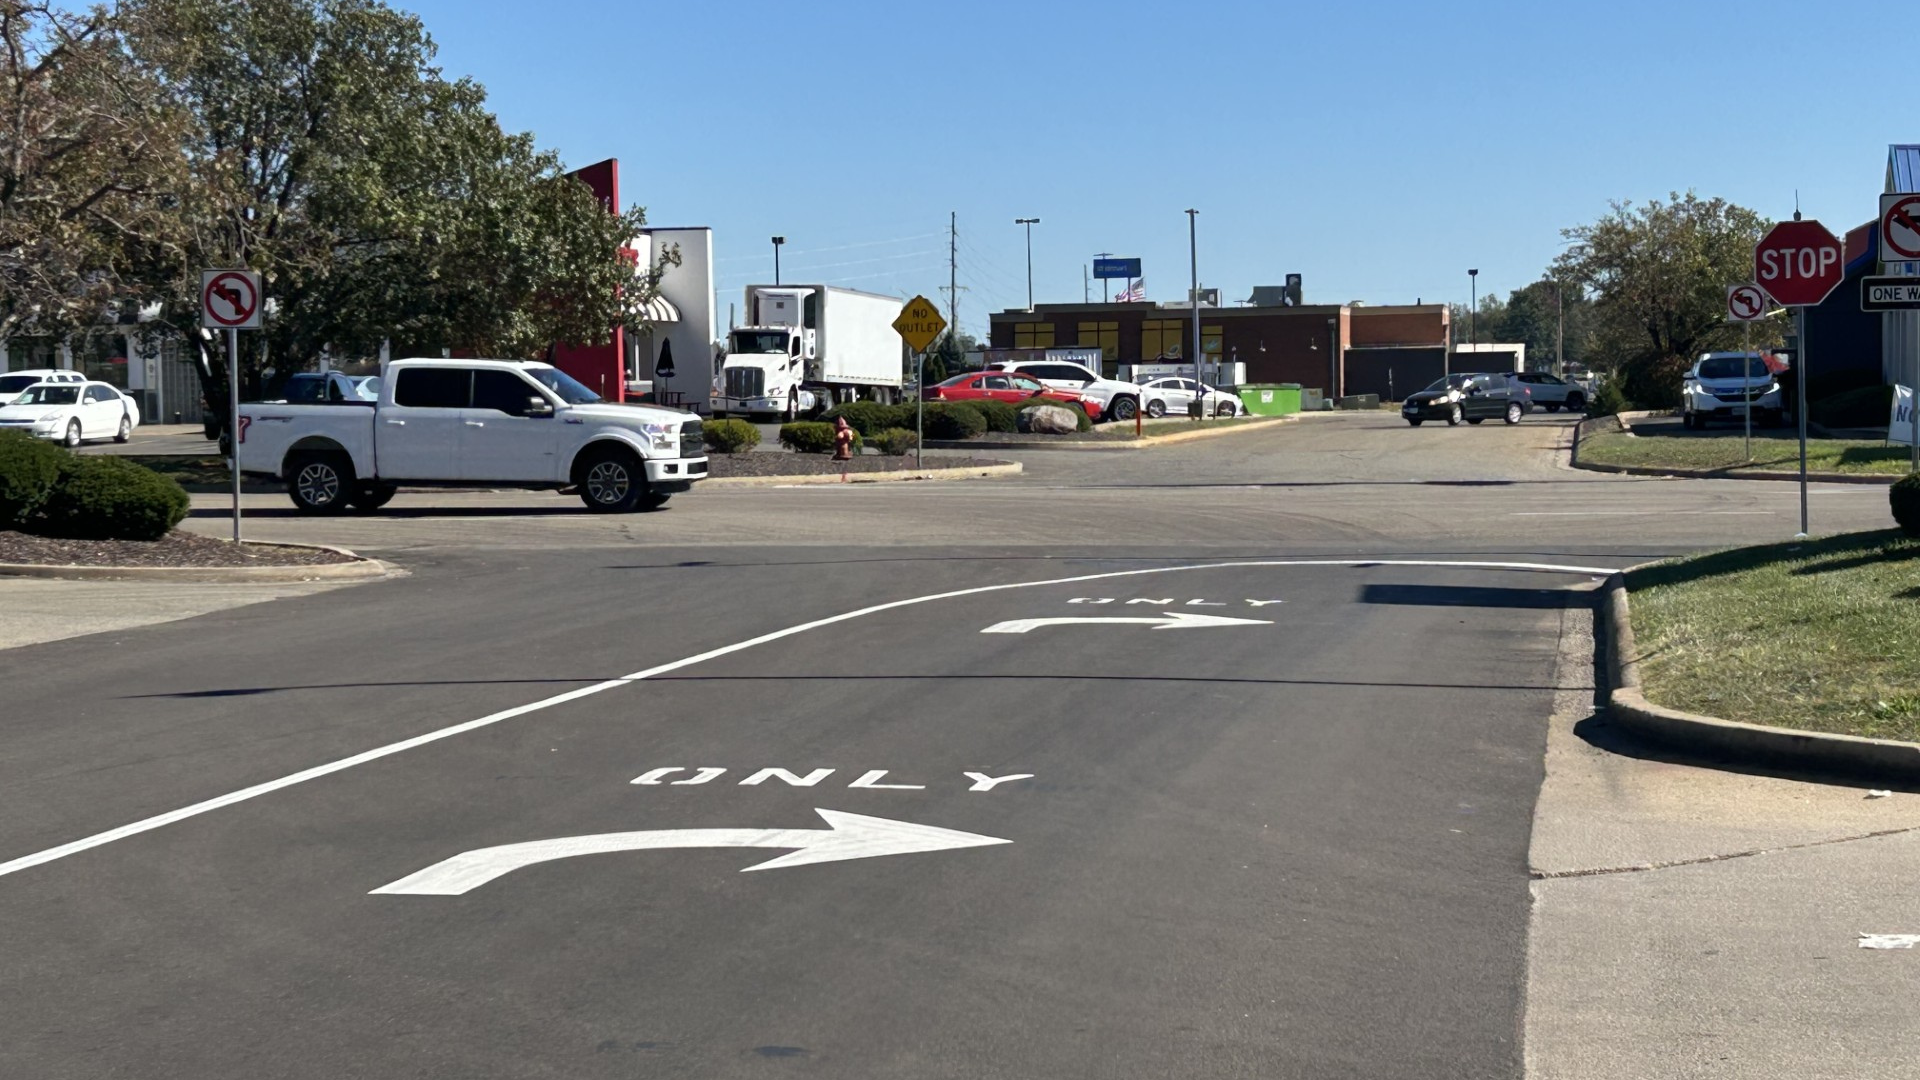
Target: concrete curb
(361, 569)
(1146, 442)
(1580, 432)
(1730, 742)
(1009, 468)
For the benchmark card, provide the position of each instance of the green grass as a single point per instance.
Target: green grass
(1773, 451)
(1821, 635)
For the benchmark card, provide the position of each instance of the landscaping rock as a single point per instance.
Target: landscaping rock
(1048, 420)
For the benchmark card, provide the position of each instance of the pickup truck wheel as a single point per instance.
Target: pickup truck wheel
(320, 482)
(370, 497)
(611, 482)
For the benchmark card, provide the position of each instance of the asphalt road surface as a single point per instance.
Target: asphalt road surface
(513, 813)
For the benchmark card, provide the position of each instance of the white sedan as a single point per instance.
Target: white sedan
(1173, 395)
(71, 413)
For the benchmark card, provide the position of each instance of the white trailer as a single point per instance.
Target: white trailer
(809, 347)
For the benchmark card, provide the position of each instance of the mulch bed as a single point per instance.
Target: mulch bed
(772, 464)
(175, 549)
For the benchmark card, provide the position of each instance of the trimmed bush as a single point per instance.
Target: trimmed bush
(812, 437)
(1083, 421)
(29, 468)
(110, 498)
(999, 415)
(869, 418)
(897, 442)
(953, 420)
(1905, 497)
(730, 436)
(1609, 400)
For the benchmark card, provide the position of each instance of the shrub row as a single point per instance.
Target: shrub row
(870, 418)
(730, 436)
(897, 442)
(46, 490)
(812, 437)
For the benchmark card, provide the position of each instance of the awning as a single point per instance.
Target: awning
(661, 310)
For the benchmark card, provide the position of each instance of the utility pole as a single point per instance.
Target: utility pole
(1086, 292)
(1104, 298)
(1029, 222)
(1473, 281)
(953, 275)
(1193, 257)
(1560, 333)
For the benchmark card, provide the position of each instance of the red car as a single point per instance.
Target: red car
(1014, 389)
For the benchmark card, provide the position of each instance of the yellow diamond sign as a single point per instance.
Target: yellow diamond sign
(919, 323)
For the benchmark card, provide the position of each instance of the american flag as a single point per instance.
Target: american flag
(1134, 293)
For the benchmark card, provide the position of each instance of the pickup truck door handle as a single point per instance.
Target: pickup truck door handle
(476, 423)
(398, 423)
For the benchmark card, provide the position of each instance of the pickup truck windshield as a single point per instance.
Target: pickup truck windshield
(563, 384)
(760, 341)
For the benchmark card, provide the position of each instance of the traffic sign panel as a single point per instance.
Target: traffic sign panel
(229, 300)
(919, 323)
(1900, 228)
(1746, 303)
(1798, 263)
(1889, 293)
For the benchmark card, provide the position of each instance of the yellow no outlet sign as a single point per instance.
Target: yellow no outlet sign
(919, 323)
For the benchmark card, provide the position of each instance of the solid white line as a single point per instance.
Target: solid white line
(1641, 513)
(159, 820)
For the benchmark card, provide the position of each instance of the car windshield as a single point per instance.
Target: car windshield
(50, 394)
(563, 384)
(1728, 367)
(1451, 382)
(760, 341)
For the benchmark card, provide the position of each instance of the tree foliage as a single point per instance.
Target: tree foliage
(1658, 274)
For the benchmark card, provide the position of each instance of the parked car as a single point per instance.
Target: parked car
(1118, 400)
(1472, 398)
(474, 423)
(1551, 392)
(1174, 394)
(1723, 386)
(1010, 387)
(15, 381)
(71, 412)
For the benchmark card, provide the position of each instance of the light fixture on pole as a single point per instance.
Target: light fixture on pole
(1029, 222)
(1473, 285)
(1193, 259)
(777, 241)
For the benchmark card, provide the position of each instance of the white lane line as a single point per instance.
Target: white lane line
(135, 828)
(1641, 513)
(1889, 941)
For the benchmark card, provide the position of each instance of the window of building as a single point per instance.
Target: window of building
(1210, 342)
(1162, 339)
(1104, 336)
(1033, 335)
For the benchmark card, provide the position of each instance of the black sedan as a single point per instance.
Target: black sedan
(1472, 398)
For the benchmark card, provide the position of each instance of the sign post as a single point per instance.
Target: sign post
(1799, 263)
(230, 301)
(1745, 304)
(918, 325)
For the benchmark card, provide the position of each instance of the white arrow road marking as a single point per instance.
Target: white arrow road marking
(848, 836)
(1888, 941)
(1172, 620)
(280, 783)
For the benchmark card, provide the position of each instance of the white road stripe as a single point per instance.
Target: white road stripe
(1642, 513)
(231, 798)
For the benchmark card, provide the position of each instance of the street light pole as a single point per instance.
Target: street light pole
(1193, 258)
(1473, 303)
(1029, 222)
(777, 241)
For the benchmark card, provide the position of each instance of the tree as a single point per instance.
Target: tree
(1658, 274)
(88, 155)
(378, 199)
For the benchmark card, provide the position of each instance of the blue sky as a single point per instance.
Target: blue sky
(1379, 149)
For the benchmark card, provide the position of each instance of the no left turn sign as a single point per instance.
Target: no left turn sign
(1745, 303)
(229, 300)
(1900, 228)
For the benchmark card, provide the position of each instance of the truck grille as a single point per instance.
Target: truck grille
(746, 383)
(692, 443)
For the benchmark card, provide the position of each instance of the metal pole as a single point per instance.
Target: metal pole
(1029, 222)
(1473, 304)
(920, 415)
(233, 421)
(1746, 370)
(1560, 331)
(1800, 382)
(1193, 259)
(1105, 295)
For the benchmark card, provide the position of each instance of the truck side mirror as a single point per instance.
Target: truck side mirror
(539, 406)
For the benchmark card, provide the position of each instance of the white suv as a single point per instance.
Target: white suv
(1551, 391)
(13, 382)
(1725, 385)
(1118, 400)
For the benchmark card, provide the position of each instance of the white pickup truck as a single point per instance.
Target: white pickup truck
(473, 423)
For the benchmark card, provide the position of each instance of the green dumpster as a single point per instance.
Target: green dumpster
(1270, 399)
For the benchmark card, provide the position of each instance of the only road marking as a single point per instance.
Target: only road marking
(1169, 620)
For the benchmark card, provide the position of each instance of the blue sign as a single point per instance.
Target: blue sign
(1116, 268)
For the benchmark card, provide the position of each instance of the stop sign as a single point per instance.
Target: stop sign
(1798, 262)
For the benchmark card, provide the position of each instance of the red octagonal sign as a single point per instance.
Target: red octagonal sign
(1798, 263)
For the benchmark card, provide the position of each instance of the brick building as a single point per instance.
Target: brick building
(1341, 349)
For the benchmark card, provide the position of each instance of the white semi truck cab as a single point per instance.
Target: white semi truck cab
(808, 347)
